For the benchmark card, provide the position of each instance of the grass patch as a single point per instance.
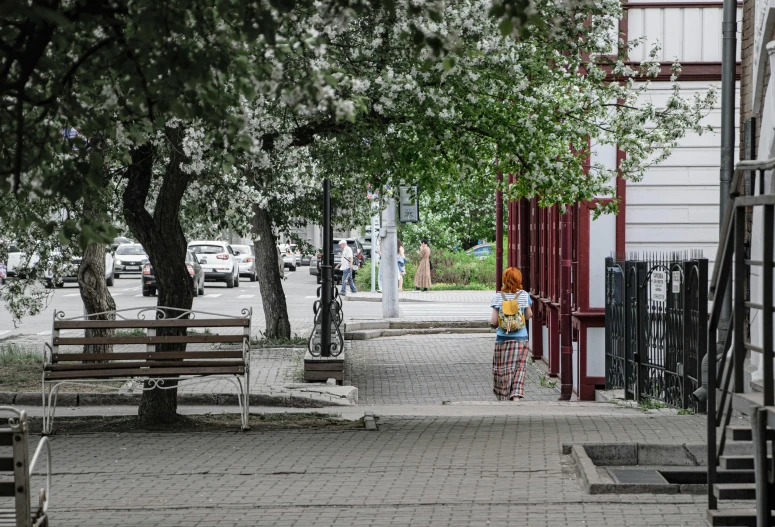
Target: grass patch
(462, 287)
(134, 332)
(685, 411)
(282, 342)
(206, 331)
(651, 404)
(199, 423)
(20, 368)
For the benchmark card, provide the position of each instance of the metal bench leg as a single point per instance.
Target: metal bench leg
(49, 408)
(246, 420)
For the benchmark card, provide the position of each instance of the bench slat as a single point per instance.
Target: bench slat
(175, 323)
(6, 464)
(152, 355)
(194, 339)
(6, 437)
(143, 364)
(7, 488)
(143, 372)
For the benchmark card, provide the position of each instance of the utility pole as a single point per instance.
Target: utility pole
(389, 262)
(373, 255)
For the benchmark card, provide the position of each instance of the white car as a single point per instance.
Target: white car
(290, 260)
(217, 260)
(246, 260)
(18, 259)
(129, 259)
(71, 272)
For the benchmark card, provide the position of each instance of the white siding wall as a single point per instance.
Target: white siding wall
(686, 34)
(675, 206)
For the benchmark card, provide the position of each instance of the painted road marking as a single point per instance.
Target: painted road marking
(246, 296)
(71, 294)
(139, 295)
(4, 332)
(309, 297)
(116, 294)
(45, 333)
(212, 295)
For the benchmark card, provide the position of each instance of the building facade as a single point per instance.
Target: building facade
(674, 207)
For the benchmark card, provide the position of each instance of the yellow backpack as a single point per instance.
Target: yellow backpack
(511, 317)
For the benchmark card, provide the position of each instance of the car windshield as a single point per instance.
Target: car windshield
(13, 249)
(242, 249)
(207, 249)
(133, 250)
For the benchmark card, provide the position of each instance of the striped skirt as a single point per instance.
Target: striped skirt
(508, 369)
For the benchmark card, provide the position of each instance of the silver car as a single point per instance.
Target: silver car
(246, 260)
(129, 259)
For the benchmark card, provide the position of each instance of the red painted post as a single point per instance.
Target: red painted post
(499, 233)
(566, 330)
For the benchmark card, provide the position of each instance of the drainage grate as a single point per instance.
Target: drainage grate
(641, 477)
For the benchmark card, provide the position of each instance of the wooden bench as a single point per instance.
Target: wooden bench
(164, 363)
(18, 470)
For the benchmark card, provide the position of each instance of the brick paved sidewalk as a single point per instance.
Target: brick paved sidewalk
(431, 369)
(412, 471)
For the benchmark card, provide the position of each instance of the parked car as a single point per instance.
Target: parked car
(18, 259)
(195, 271)
(306, 259)
(246, 259)
(358, 259)
(118, 241)
(129, 259)
(71, 272)
(366, 245)
(482, 251)
(313, 263)
(218, 261)
(289, 257)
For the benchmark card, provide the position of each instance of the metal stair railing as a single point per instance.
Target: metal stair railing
(726, 374)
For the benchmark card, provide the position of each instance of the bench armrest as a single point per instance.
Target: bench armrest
(46, 495)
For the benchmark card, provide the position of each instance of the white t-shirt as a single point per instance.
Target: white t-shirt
(347, 258)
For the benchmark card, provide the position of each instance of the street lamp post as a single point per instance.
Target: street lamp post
(326, 269)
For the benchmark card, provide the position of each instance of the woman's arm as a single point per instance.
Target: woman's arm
(528, 313)
(494, 317)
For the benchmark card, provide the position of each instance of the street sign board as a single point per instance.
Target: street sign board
(408, 204)
(658, 286)
(676, 282)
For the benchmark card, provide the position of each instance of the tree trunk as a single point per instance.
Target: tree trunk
(95, 294)
(162, 237)
(269, 279)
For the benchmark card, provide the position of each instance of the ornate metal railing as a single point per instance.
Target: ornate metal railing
(653, 328)
(315, 343)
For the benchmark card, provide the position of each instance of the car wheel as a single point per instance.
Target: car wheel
(153, 291)
(230, 282)
(202, 287)
(195, 291)
(146, 291)
(293, 267)
(320, 280)
(109, 280)
(253, 276)
(236, 278)
(116, 276)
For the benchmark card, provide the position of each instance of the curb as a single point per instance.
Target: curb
(292, 400)
(348, 298)
(367, 330)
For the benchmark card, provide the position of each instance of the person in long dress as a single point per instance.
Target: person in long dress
(422, 278)
(509, 359)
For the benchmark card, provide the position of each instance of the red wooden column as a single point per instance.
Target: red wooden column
(565, 289)
(513, 220)
(499, 233)
(552, 302)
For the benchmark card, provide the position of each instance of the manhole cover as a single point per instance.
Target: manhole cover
(641, 477)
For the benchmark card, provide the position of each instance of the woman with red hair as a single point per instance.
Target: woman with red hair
(510, 313)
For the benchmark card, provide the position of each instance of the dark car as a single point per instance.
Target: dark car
(358, 259)
(194, 270)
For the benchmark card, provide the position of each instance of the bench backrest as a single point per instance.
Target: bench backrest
(145, 347)
(14, 466)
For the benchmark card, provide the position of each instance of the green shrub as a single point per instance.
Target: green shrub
(451, 270)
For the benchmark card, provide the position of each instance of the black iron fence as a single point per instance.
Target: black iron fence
(656, 313)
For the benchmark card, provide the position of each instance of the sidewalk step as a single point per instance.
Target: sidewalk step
(376, 333)
(735, 491)
(738, 462)
(739, 433)
(735, 476)
(732, 517)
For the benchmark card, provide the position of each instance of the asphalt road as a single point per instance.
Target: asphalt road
(300, 293)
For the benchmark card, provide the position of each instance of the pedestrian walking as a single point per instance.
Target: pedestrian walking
(510, 312)
(422, 278)
(401, 259)
(346, 265)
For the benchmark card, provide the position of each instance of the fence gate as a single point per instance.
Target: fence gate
(656, 318)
